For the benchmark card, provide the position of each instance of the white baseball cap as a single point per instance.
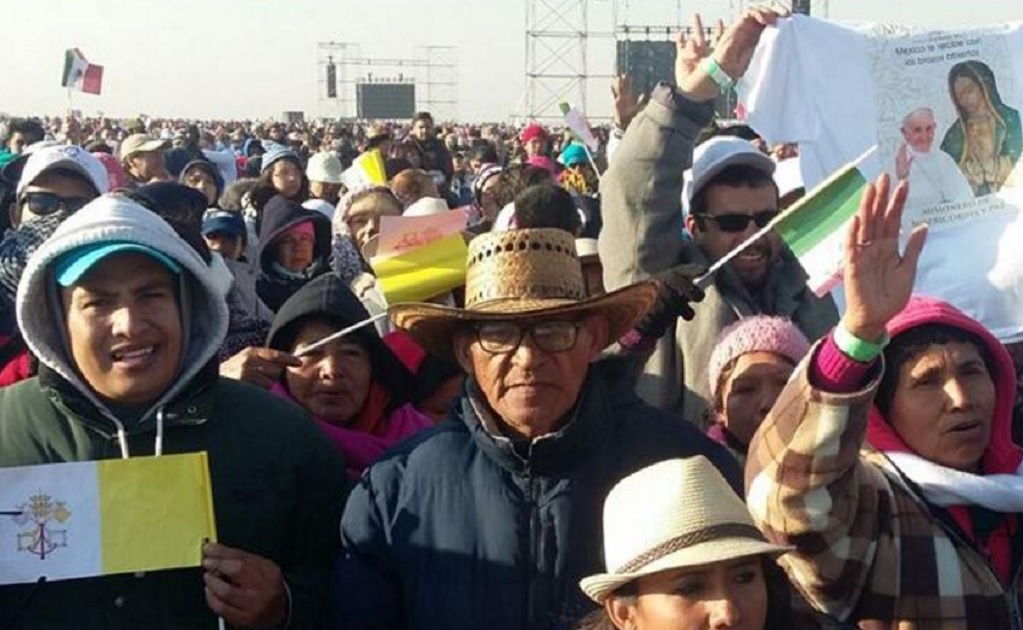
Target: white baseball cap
(67, 157)
(324, 167)
(717, 154)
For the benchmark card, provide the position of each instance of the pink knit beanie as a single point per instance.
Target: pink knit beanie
(760, 333)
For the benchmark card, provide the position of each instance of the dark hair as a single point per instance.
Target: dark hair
(393, 166)
(31, 128)
(231, 199)
(737, 176)
(267, 177)
(484, 151)
(910, 344)
(547, 206)
(425, 116)
(779, 601)
(515, 179)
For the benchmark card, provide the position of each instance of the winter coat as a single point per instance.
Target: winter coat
(386, 417)
(279, 215)
(460, 527)
(277, 483)
(870, 548)
(642, 236)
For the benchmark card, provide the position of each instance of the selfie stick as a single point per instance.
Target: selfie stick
(341, 333)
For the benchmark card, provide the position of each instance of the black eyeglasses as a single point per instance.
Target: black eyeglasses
(739, 222)
(505, 337)
(43, 203)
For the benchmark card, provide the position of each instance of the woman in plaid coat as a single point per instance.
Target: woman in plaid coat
(889, 464)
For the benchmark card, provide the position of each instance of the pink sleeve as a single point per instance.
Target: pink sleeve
(832, 371)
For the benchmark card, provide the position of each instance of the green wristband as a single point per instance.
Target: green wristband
(857, 349)
(717, 74)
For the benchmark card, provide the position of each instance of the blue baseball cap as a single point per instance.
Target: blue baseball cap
(71, 266)
(223, 221)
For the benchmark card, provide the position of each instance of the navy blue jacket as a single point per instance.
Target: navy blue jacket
(461, 529)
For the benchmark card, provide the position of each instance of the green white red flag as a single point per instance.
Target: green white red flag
(81, 75)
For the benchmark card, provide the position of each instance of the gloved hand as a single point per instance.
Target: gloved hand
(674, 300)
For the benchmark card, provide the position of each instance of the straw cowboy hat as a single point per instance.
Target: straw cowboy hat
(523, 274)
(674, 514)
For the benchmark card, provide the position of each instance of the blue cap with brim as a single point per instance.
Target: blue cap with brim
(71, 266)
(226, 222)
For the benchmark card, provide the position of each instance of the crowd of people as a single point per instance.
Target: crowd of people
(581, 435)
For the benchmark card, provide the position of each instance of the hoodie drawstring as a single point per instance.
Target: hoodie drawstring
(122, 437)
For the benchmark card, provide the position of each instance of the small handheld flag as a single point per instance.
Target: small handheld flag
(80, 75)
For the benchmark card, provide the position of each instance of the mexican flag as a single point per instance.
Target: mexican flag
(81, 75)
(814, 227)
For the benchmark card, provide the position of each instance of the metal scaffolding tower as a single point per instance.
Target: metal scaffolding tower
(434, 70)
(556, 69)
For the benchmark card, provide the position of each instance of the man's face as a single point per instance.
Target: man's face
(918, 131)
(422, 130)
(724, 201)
(364, 217)
(74, 190)
(16, 143)
(147, 166)
(529, 388)
(124, 328)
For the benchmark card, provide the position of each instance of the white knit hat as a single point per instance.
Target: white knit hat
(674, 514)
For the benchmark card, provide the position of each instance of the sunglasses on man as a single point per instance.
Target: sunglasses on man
(738, 222)
(45, 203)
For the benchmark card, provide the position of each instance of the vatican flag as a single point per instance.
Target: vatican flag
(83, 519)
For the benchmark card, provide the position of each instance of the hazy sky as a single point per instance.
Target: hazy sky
(257, 58)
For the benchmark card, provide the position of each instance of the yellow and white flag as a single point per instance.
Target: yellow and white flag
(83, 519)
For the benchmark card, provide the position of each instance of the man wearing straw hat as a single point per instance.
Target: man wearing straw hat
(490, 520)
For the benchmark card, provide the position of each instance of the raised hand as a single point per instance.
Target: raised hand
(626, 103)
(878, 280)
(245, 589)
(903, 162)
(733, 49)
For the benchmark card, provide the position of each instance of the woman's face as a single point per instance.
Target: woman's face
(296, 251)
(286, 178)
(944, 403)
(333, 381)
(364, 217)
(488, 198)
(968, 95)
(730, 594)
(750, 390)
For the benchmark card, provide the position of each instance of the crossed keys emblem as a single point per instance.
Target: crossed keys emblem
(40, 516)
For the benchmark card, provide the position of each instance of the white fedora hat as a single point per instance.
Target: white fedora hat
(674, 514)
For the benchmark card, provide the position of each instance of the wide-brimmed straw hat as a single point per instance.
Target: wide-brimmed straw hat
(523, 274)
(674, 514)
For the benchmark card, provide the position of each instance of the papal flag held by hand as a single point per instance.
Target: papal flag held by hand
(84, 519)
(81, 75)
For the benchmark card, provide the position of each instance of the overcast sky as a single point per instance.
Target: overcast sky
(257, 58)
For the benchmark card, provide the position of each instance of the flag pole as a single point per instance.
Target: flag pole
(593, 162)
(339, 334)
(70, 103)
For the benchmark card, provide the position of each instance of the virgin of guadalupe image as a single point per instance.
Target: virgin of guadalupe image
(986, 140)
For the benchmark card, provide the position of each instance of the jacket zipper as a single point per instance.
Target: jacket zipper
(531, 512)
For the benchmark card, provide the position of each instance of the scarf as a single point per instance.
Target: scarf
(17, 246)
(984, 506)
(372, 432)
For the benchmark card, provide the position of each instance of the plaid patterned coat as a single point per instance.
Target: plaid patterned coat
(869, 549)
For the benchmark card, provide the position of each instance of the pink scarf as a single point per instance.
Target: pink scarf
(362, 448)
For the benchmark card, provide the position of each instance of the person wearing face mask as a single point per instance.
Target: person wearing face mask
(749, 367)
